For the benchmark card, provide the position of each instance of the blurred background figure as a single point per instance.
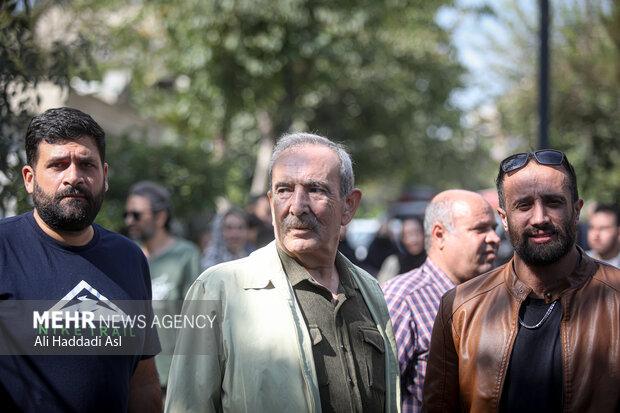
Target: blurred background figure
(345, 248)
(174, 263)
(260, 228)
(382, 246)
(203, 240)
(604, 234)
(411, 253)
(229, 239)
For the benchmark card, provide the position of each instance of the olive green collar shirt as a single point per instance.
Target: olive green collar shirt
(348, 350)
(262, 358)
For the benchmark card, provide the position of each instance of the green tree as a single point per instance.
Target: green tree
(585, 87)
(24, 63)
(180, 168)
(232, 75)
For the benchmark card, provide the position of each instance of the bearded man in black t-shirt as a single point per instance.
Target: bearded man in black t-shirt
(56, 253)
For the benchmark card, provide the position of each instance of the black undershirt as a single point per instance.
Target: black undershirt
(534, 377)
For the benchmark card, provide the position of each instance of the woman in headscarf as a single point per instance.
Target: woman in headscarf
(229, 238)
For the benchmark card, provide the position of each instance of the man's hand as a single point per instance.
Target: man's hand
(144, 389)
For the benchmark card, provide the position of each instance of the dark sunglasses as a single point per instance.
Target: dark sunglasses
(134, 214)
(543, 157)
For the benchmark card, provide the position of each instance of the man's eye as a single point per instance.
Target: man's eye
(319, 190)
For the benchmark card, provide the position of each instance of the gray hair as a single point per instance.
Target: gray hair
(290, 140)
(437, 212)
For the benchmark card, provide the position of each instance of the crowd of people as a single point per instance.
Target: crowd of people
(434, 319)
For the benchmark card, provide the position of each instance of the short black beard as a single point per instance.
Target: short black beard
(76, 216)
(548, 253)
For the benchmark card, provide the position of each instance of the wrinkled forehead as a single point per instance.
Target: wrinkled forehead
(535, 179)
(307, 159)
(83, 144)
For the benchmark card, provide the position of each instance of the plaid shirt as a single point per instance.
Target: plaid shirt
(413, 300)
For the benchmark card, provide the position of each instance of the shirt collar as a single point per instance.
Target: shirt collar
(296, 273)
(584, 270)
(430, 267)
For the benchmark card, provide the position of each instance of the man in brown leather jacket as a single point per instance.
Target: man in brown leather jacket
(541, 333)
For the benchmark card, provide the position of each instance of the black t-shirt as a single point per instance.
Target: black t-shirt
(34, 266)
(534, 378)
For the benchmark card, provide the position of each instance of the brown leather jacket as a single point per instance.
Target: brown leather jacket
(477, 323)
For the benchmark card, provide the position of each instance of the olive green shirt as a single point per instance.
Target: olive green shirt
(348, 350)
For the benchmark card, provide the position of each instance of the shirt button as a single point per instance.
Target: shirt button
(548, 296)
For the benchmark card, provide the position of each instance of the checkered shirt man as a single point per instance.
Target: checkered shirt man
(413, 300)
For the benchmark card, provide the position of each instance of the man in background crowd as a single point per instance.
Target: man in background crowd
(459, 231)
(174, 262)
(260, 231)
(604, 235)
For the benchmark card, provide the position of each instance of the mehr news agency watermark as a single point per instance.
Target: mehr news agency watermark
(105, 327)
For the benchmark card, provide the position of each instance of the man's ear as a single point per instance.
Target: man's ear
(351, 202)
(438, 235)
(273, 221)
(161, 217)
(578, 205)
(502, 215)
(105, 176)
(28, 175)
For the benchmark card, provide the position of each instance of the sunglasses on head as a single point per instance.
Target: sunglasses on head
(134, 214)
(543, 157)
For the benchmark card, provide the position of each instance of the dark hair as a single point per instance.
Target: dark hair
(62, 124)
(234, 210)
(572, 180)
(158, 197)
(609, 209)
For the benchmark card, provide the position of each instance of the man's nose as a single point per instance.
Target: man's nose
(73, 175)
(493, 238)
(539, 214)
(299, 202)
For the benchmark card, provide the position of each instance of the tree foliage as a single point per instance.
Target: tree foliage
(375, 74)
(228, 75)
(181, 169)
(25, 63)
(585, 88)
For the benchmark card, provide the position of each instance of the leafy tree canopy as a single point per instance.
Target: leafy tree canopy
(585, 87)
